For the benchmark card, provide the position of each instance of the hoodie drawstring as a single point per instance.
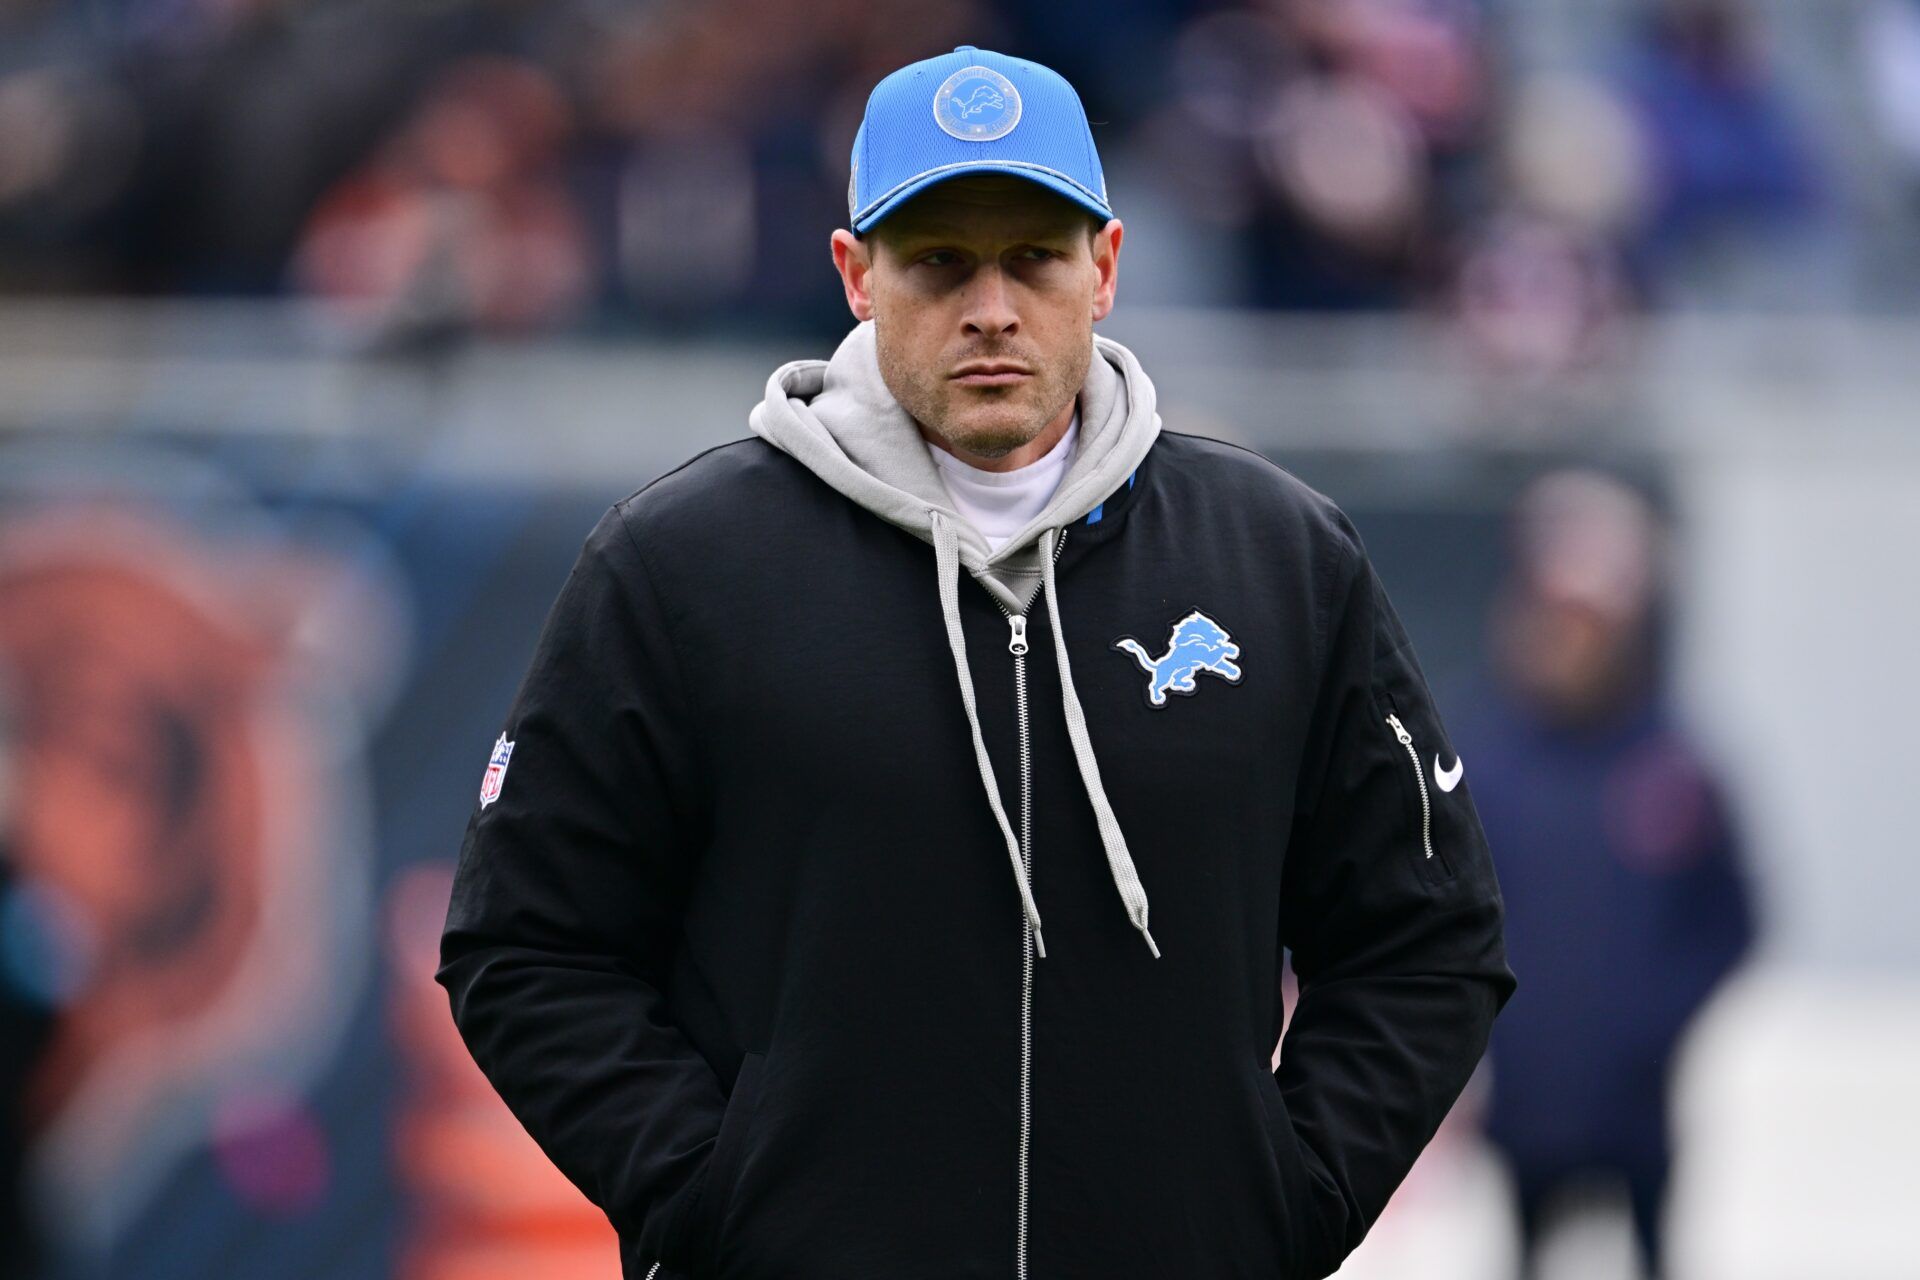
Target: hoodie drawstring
(946, 554)
(1119, 861)
(946, 546)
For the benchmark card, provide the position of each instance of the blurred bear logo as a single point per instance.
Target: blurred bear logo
(189, 789)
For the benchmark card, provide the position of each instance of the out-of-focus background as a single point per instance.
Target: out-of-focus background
(328, 328)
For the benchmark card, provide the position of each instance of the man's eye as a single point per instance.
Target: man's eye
(1042, 253)
(929, 259)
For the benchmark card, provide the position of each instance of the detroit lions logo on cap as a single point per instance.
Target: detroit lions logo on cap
(1198, 644)
(977, 104)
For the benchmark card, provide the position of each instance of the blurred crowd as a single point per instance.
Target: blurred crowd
(432, 170)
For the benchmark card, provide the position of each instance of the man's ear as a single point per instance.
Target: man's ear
(1106, 261)
(853, 259)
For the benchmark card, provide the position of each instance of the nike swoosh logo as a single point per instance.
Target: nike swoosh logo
(1448, 779)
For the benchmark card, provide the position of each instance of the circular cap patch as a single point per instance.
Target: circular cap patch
(977, 104)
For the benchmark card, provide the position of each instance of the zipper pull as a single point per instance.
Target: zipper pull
(1018, 643)
(1399, 730)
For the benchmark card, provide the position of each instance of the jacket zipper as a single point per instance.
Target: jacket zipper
(1426, 805)
(1017, 645)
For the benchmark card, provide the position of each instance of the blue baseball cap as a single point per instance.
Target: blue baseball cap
(971, 111)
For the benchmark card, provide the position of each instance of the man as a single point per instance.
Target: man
(1598, 794)
(748, 927)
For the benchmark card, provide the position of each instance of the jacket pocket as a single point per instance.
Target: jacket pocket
(1407, 737)
(706, 1215)
(1309, 1250)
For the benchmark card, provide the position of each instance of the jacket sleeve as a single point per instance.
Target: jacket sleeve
(1399, 955)
(567, 900)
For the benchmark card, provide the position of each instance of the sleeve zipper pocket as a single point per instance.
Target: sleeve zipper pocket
(1420, 780)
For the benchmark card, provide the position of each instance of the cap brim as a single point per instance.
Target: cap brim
(1052, 180)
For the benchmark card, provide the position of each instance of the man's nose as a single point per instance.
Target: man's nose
(990, 311)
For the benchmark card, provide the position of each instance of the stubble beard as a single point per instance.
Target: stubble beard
(953, 412)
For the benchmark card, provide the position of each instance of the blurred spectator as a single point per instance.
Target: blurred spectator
(1573, 151)
(1889, 48)
(1536, 299)
(1890, 52)
(461, 222)
(1539, 291)
(1733, 170)
(1619, 860)
(1338, 138)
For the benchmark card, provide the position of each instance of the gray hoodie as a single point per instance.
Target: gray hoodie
(839, 420)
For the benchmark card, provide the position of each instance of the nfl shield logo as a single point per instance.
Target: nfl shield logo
(496, 771)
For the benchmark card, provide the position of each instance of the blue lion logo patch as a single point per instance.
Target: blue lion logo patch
(1198, 644)
(983, 97)
(976, 104)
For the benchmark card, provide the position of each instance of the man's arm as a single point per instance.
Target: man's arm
(1399, 955)
(567, 901)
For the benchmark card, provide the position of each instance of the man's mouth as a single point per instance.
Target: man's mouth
(990, 373)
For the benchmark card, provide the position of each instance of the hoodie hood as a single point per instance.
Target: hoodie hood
(839, 420)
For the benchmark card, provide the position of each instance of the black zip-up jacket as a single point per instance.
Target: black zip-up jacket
(733, 932)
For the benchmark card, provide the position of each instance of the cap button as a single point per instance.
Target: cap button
(964, 48)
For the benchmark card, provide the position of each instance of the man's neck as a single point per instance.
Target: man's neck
(1030, 452)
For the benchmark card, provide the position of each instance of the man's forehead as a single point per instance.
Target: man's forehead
(952, 208)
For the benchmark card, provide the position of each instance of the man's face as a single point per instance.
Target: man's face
(985, 270)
